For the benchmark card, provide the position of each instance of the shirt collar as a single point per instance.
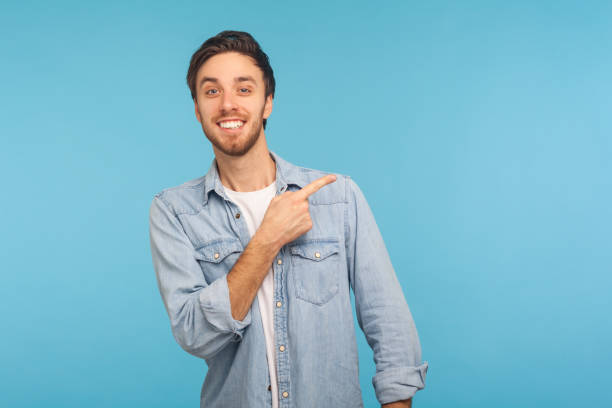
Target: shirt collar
(286, 174)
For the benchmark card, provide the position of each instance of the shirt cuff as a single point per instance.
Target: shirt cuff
(215, 304)
(398, 384)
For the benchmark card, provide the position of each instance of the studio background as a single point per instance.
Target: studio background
(480, 133)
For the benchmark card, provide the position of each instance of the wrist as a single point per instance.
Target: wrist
(267, 241)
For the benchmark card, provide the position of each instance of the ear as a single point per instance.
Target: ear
(197, 112)
(268, 106)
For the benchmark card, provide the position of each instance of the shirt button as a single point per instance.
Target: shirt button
(237, 215)
(280, 261)
(269, 388)
(282, 348)
(279, 304)
(285, 394)
(216, 255)
(317, 255)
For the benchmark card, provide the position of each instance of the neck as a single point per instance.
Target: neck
(252, 171)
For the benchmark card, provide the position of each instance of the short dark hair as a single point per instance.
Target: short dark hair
(231, 41)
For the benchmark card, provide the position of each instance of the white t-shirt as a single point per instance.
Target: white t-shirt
(253, 206)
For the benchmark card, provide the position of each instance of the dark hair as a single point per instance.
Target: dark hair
(228, 41)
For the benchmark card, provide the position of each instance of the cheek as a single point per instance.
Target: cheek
(257, 109)
(206, 112)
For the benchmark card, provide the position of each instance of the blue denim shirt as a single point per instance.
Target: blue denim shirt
(197, 235)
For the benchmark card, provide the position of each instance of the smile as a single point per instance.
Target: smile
(231, 124)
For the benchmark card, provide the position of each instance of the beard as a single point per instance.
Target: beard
(235, 145)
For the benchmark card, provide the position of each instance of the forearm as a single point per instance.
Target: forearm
(249, 271)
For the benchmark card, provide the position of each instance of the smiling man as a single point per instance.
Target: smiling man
(255, 260)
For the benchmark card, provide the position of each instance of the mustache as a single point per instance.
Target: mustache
(233, 117)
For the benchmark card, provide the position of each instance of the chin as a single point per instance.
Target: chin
(234, 149)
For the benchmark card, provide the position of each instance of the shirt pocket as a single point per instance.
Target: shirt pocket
(315, 269)
(217, 257)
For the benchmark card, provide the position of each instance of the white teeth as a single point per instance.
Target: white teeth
(232, 124)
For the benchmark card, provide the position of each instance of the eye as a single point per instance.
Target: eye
(212, 91)
(244, 90)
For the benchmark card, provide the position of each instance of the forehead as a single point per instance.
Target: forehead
(229, 65)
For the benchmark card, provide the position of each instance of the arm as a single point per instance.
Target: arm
(286, 218)
(382, 312)
(199, 311)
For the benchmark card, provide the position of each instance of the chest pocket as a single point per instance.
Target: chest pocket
(315, 269)
(217, 257)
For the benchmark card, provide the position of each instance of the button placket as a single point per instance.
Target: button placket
(280, 332)
(279, 262)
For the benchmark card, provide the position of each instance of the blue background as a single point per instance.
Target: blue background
(480, 133)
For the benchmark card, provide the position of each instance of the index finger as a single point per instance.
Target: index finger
(316, 185)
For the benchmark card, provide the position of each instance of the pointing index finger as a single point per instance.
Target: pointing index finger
(316, 185)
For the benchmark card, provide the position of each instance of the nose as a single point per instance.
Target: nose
(227, 102)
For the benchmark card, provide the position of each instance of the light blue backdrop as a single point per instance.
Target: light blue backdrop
(480, 133)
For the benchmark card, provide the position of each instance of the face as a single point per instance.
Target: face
(231, 103)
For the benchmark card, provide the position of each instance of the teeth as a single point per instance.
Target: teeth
(232, 124)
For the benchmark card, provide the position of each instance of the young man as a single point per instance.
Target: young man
(256, 259)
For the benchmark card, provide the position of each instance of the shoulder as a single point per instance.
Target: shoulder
(185, 198)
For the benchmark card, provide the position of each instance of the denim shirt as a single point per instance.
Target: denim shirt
(197, 235)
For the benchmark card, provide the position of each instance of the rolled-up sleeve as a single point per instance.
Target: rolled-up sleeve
(199, 311)
(382, 311)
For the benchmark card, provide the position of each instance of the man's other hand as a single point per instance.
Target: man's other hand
(399, 404)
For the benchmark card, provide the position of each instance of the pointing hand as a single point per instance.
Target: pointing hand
(288, 216)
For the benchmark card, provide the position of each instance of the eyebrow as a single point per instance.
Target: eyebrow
(247, 78)
(244, 79)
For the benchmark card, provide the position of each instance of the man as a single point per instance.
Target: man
(255, 260)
